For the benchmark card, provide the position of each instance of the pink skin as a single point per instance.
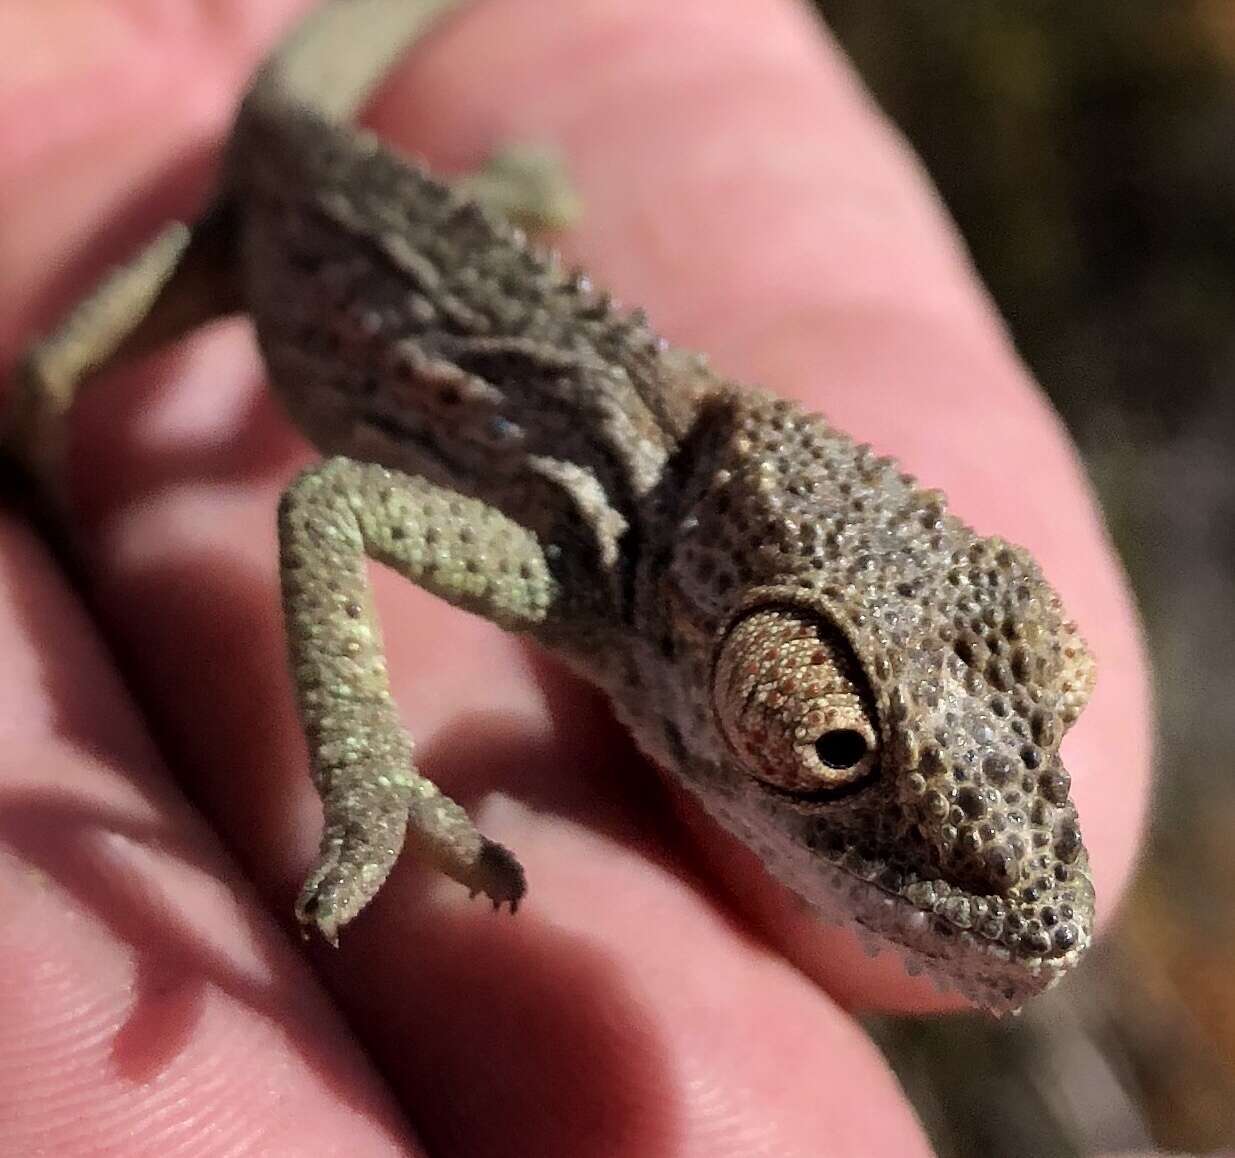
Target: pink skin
(737, 183)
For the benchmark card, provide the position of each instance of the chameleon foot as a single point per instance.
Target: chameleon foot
(499, 876)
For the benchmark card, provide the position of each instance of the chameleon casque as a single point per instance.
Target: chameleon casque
(862, 689)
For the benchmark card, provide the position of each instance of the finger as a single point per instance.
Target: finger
(145, 998)
(621, 1012)
(740, 185)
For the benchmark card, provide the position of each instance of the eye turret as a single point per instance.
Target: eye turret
(793, 704)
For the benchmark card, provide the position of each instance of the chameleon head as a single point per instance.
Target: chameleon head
(871, 696)
(917, 788)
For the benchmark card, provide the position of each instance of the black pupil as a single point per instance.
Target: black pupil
(842, 748)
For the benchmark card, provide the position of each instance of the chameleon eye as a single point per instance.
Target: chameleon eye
(792, 703)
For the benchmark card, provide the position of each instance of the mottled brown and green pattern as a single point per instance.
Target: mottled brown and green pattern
(863, 690)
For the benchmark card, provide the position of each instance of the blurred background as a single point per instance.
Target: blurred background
(1088, 154)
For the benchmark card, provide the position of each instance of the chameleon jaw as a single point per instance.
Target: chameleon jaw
(985, 971)
(936, 928)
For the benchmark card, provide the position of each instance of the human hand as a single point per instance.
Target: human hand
(655, 994)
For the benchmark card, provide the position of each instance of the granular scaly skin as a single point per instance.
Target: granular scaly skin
(864, 691)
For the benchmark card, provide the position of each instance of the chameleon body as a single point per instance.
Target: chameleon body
(862, 689)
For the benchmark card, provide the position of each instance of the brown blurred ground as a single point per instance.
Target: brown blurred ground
(1088, 153)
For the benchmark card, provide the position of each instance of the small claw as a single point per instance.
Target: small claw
(314, 912)
(348, 874)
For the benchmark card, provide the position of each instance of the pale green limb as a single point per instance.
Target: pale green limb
(332, 519)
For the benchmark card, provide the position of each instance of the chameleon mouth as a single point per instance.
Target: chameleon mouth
(931, 943)
(955, 956)
(983, 947)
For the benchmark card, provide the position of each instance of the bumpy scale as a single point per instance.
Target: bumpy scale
(860, 688)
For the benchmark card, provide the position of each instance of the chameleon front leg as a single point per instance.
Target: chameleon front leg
(331, 519)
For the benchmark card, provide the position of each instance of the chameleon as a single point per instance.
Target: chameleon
(854, 683)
